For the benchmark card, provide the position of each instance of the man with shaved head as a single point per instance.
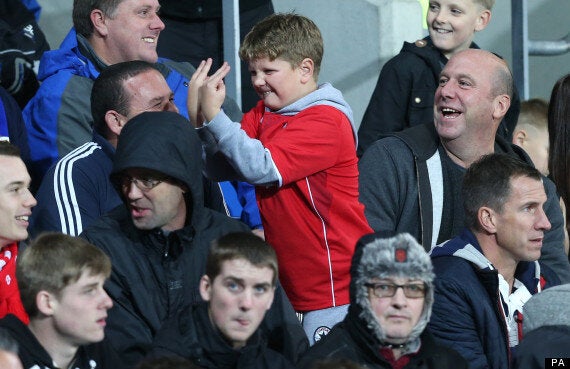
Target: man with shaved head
(411, 181)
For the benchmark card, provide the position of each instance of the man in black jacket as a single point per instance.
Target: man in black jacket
(391, 296)
(61, 281)
(238, 289)
(159, 239)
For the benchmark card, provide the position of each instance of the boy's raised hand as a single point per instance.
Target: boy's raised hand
(192, 102)
(212, 92)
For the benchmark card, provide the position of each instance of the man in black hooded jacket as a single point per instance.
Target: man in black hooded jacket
(158, 241)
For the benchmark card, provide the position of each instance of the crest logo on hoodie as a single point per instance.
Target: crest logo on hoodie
(320, 333)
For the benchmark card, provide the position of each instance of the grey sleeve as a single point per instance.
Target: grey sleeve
(553, 254)
(229, 148)
(74, 120)
(382, 171)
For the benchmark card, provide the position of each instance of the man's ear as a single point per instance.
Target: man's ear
(115, 121)
(487, 219)
(98, 20)
(307, 68)
(46, 303)
(205, 288)
(501, 106)
(519, 136)
(483, 20)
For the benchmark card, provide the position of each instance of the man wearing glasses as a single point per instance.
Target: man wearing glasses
(485, 275)
(158, 241)
(391, 295)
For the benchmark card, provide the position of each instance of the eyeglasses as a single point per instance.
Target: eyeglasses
(412, 290)
(144, 185)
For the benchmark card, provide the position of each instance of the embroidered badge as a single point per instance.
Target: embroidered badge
(320, 333)
(401, 255)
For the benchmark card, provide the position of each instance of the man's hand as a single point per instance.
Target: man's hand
(212, 90)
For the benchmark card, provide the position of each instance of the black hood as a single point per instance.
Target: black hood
(164, 142)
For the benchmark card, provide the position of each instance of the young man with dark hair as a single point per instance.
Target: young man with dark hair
(238, 289)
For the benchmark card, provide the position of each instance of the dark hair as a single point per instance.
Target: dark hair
(8, 149)
(166, 362)
(109, 93)
(82, 13)
(559, 138)
(487, 182)
(241, 245)
(53, 261)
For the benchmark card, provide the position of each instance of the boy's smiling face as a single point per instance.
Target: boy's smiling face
(453, 23)
(278, 83)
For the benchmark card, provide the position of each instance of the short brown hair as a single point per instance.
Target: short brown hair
(241, 245)
(8, 149)
(52, 262)
(287, 36)
(81, 14)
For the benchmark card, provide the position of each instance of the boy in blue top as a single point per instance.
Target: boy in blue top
(403, 96)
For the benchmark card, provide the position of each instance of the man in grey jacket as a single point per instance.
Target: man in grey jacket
(411, 180)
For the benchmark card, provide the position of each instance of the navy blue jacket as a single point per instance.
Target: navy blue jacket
(466, 314)
(76, 190)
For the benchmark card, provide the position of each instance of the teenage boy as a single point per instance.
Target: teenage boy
(61, 282)
(298, 146)
(237, 289)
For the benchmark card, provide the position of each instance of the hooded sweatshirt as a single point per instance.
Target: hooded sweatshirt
(33, 355)
(472, 313)
(302, 159)
(155, 273)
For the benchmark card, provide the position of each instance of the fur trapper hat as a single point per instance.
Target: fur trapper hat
(382, 257)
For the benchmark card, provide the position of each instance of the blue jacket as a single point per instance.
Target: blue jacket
(58, 118)
(466, 314)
